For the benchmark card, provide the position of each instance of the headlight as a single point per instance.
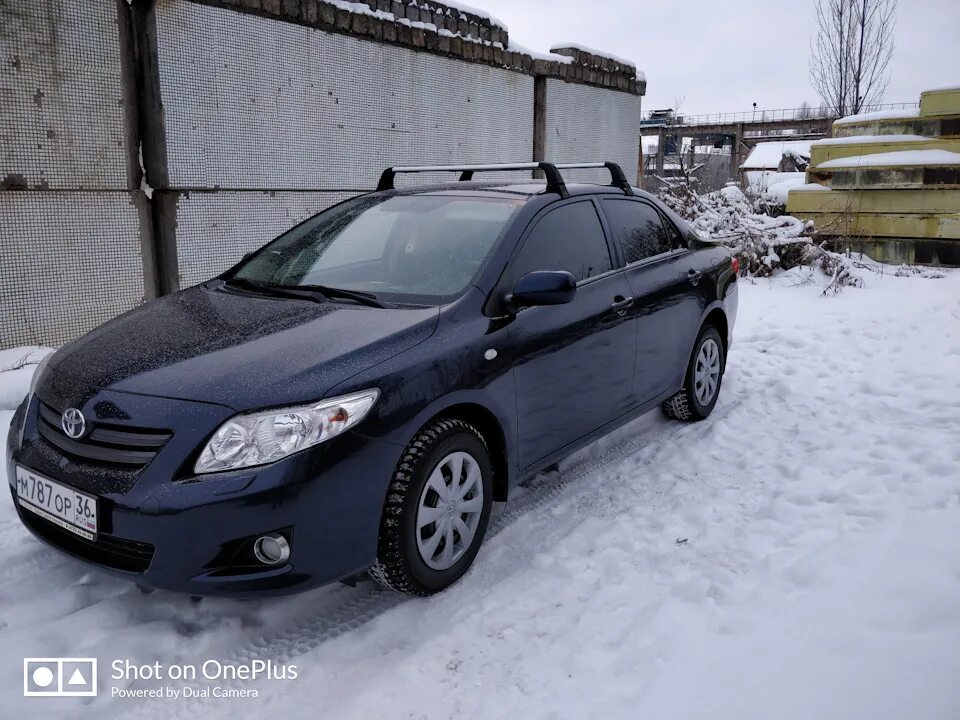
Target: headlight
(260, 438)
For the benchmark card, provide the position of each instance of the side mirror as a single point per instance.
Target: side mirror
(543, 287)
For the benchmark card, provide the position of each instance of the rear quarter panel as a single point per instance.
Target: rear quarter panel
(720, 282)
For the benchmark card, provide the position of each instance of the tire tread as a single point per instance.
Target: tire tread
(679, 406)
(390, 570)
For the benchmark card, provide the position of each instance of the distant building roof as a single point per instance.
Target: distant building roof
(767, 155)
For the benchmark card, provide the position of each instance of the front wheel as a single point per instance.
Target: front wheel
(701, 386)
(436, 510)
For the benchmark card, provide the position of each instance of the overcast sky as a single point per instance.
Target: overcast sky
(723, 57)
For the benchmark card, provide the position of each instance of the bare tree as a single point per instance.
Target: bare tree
(850, 54)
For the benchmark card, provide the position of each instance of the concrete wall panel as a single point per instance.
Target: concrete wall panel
(253, 102)
(70, 261)
(215, 230)
(61, 103)
(587, 123)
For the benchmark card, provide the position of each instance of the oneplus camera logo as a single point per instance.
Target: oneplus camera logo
(59, 677)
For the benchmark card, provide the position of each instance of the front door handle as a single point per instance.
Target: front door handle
(694, 276)
(621, 304)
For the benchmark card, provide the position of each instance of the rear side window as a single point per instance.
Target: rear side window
(569, 238)
(640, 229)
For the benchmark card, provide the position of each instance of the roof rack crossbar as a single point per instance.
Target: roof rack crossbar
(554, 179)
(617, 177)
(551, 171)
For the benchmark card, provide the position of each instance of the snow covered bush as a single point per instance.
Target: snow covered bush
(761, 242)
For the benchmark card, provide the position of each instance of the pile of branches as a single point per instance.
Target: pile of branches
(763, 244)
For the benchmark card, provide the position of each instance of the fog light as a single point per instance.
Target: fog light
(272, 549)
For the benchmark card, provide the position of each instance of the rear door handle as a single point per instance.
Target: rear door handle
(694, 276)
(621, 305)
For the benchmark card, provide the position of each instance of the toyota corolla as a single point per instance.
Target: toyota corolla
(352, 397)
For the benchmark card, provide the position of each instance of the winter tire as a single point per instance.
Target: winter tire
(701, 386)
(436, 510)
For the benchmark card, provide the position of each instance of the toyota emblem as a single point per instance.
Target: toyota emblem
(73, 423)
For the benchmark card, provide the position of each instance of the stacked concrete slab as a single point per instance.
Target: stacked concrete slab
(888, 184)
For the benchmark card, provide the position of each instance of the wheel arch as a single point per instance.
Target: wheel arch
(490, 427)
(715, 314)
(718, 318)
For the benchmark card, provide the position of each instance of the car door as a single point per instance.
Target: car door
(668, 289)
(573, 365)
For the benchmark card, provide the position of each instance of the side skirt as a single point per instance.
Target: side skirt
(570, 448)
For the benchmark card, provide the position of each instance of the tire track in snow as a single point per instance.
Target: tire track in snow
(39, 559)
(368, 601)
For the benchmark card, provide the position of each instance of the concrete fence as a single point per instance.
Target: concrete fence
(147, 146)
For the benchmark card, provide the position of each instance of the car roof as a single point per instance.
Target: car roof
(528, 190)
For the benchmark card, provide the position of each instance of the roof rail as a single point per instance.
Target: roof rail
(555, 181)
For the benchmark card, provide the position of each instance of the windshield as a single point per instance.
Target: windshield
(420, 249)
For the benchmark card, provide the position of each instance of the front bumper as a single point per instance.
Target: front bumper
(188, 536)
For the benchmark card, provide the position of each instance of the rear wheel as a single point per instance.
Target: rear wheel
(701, 386)
(436, 511)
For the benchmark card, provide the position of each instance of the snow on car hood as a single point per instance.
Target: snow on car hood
(242, 350)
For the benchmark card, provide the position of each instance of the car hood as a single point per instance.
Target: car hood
(239, 349)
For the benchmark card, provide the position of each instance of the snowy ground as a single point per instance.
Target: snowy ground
(795, 556)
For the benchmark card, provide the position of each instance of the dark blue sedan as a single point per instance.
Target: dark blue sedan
(353, 396)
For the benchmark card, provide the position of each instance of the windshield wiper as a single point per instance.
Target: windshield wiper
(364, 298)
(316, 293)
(274, 290)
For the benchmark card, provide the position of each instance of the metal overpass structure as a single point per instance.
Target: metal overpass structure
(743, 130)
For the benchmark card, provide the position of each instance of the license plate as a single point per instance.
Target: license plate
(62, 505)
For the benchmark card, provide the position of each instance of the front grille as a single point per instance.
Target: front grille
(107, 550)
(107, 443)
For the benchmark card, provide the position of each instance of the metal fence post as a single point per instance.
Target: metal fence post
(539, 122)
(148, 146)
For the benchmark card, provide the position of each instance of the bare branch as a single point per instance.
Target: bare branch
(851, 52)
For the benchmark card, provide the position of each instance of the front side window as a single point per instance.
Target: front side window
(640, 229)
(569, 238)
(404, 248)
